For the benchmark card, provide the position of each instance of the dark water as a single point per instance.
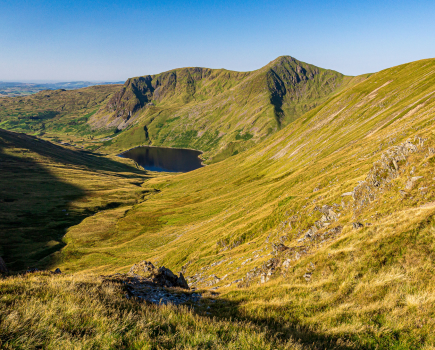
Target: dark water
(165, 159)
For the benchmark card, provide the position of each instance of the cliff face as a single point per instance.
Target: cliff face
(135, 93)
(176, 86)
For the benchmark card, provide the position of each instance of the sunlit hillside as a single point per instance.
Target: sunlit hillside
(321, 236)
(218, 111)
(347, 190)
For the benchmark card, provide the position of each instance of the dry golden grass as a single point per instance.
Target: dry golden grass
(370, 288)
(43, 311)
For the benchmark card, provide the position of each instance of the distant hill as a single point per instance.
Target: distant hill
(59, 112)
(11, 89)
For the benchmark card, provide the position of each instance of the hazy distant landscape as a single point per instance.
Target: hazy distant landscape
(12, 89)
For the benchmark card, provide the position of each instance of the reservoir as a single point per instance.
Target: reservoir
(164, 159)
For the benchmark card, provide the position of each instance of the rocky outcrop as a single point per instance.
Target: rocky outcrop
(388, 168)
(160, 276)
(135, 94)
(154, 284)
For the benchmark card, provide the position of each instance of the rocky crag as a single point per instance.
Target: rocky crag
(157, 285)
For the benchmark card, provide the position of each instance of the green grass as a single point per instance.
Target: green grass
(59, 114)
(248, 200)
(261, 102)
(53, 312)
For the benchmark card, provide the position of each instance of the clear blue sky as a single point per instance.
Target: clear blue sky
(113, 40)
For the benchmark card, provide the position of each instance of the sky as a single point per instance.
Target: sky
(46, 40)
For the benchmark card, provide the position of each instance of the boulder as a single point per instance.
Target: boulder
(411, 182)
(182, 282)
(264, 278)
(307, 276)
(347, 194)
(159, 275)
(143, 269)
(32, 270)
(286, 263)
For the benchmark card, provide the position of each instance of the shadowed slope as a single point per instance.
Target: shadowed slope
(45, 189)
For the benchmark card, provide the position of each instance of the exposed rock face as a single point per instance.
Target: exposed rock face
(3, 269)
(143, 268)
(383, 172)
(279, 247)
(158, 275)
(135, 94)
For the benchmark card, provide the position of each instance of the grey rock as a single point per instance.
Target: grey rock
(32, 270)
(182, 282)
(347, 194)
(264, 278)
(307, 276)
(167, 273)
(143, 268)
(286, 263)
(161, 276)
(357, 225)
(411, 182)
(279, 247)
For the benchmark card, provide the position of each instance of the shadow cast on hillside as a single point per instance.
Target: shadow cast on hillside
(34, 212)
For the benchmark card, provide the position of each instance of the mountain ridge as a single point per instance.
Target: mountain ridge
(220, 112)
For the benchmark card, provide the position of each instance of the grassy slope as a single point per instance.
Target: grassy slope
(371, 286)
(56, 113)
(218, 111)
(82, 312)
(46, 189)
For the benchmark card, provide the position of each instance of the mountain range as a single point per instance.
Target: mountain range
(218, 111)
